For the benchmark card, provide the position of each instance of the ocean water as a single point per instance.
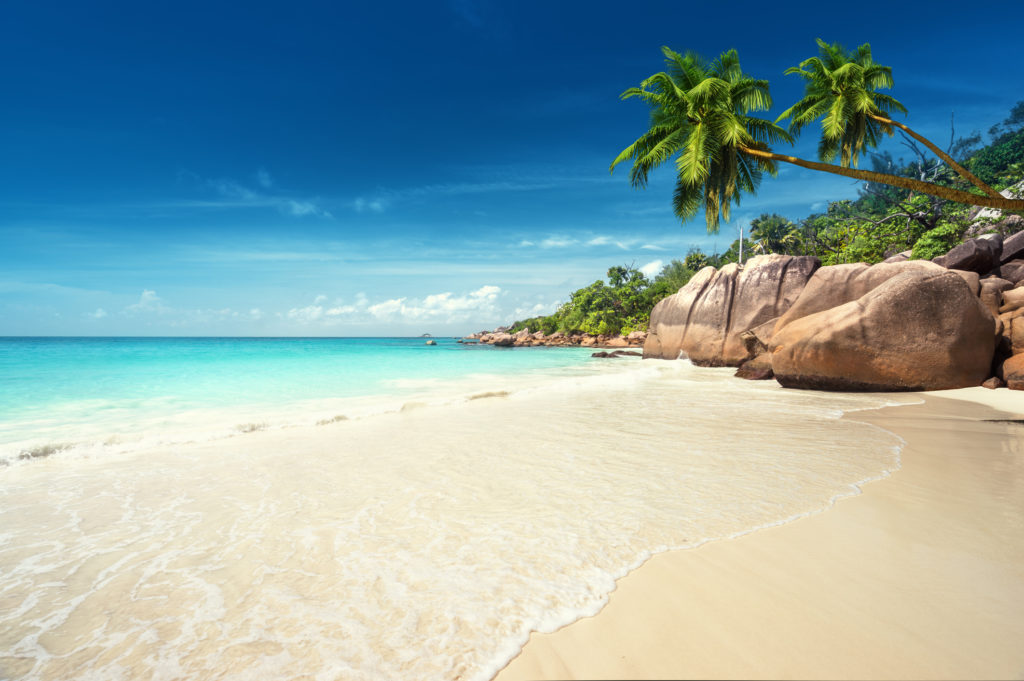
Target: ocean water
(370, 508)
(112, 393)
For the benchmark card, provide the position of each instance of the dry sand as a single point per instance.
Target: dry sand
(921, 576)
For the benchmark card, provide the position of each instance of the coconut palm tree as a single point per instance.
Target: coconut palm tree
(700, 114)
(842, 90)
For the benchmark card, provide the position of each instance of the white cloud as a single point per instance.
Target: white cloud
(230, 189)
(385, 196)
(386, 309)
(524, 242)
(307, 314)
(362, 205)
(149, 301)
(599, 241)
(443, 307)
(652, 268)
(536, 310)
(557, 242)
(304, 208)
(236, 195)
(341, 310)
(651, 247)
(256, 313)
(100, 313)
(318, 312)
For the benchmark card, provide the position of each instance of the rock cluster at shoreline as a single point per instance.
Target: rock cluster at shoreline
(526, 338)
(954, 322)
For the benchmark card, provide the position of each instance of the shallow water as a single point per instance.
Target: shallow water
(109, 394)
(424, 542)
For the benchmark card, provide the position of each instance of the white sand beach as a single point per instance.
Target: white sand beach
(921, 576)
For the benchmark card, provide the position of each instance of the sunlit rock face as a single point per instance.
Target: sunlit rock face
(919, 330)
(705, 319)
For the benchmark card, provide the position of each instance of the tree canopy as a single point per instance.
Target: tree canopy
(700, 113)
(701, 117)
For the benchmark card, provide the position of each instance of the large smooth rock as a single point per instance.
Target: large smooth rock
(1013, 245)
(918, 330)
(839, 284)
(1012, 271)
(1012, 300)
(502, 340)
(1013, 372)
(991, 294)
(981, 255)
(757, 369)
(704, 320)
(1013, 330)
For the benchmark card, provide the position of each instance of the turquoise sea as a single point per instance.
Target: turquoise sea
(78, 392)
(370, 509)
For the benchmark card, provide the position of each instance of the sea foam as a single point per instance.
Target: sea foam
(392, 544)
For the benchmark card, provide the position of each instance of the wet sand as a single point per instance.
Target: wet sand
(921, 576)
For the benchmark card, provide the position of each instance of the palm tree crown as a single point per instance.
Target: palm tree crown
(699, 114)
(843, 88)
(773, 233)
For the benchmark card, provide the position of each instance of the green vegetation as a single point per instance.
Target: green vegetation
(700, 114)
(624, 304)
(620, 306)
(885, 219)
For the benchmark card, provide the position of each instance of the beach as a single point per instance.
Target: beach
(425, 525)
(419, 534)
(920, 576)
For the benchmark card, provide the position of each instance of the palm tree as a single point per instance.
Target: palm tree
(842, 90)
(773, 234)
(700, 115)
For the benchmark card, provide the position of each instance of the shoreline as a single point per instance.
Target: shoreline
(511, 513)
(919, 576)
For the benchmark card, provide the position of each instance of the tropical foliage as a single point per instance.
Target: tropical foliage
(700, 115)
(620, 306)
(883, 220)
(842, 90)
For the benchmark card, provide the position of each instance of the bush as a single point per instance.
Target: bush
(992, 161)
(937, 242)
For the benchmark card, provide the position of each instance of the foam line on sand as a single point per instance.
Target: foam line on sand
(921, 576)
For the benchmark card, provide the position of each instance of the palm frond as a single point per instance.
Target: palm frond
(841, 91)
(693, 160)
(686, 200)
(706, 91)
(886, 103)
(699, 113)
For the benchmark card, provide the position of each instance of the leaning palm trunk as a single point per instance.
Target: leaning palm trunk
(963, 172)
(948, 193)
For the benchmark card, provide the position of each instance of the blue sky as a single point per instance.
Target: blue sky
(348, 169)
